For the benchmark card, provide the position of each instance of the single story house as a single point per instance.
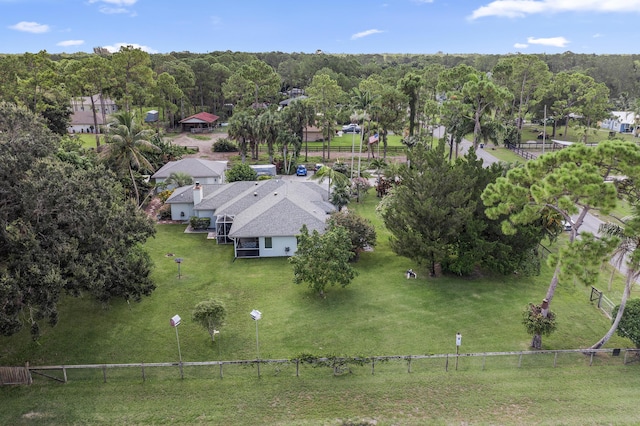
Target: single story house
(620, 121)
(203, 171)
(313, 134)
(82, 120)
(260, 218)
(199, 123)
(287, 102)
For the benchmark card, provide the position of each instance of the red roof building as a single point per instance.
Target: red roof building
(199, 123)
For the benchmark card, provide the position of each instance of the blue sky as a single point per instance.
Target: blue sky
(346, 26)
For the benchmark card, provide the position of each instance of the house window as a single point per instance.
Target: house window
(268, 242)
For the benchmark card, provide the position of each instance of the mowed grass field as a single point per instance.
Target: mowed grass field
(380, 313)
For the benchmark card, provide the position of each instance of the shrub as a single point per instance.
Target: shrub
(164, 212)
(224, 145)
(199, 222)
(164, 195)
(241, 172)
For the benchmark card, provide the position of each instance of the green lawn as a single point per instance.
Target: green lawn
(380, 313)
(88, 141)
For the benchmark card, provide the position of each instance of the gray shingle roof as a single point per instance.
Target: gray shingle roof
(268, 208)
(195, 167)
(278, 216)
(184, 194)
(223, 194)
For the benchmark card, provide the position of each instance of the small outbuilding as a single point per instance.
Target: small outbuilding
(199, 123)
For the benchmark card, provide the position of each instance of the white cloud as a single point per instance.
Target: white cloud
(520, 45)
(113, 10)
(549, 41)
(116, 47)
(66, 43)
(521, 8)
(597, 35)
(216, 21)
(30, 27)
(423, 1)
(365, 34)
(113, 7)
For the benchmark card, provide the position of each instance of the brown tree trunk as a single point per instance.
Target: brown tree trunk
(536, 342)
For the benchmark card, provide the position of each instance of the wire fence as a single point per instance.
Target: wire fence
(310, 366)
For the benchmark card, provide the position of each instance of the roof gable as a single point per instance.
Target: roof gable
(201, 117)
(194, 167)
(184, 194)
(278, 215)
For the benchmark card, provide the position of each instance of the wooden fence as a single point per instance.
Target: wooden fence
(521, 152)
(15, 375)
(309, 365)
(395, 150)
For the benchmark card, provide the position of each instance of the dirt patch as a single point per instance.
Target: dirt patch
(205, 146)
(205, 150)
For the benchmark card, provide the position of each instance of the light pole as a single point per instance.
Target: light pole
(256, 315)
(458, 343)
(179, 261)
(175, 322)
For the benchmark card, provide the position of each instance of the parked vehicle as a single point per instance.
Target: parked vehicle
(301, 170)
(317, 167)
(351, 128)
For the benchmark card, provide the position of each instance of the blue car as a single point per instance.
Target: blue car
(301, 170)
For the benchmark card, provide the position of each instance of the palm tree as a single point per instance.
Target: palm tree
(127, 143)
(240, 130)
(340, 196)
(379, 164)
(627, 251)
(179, 179)
(267, 128)
(330, 173)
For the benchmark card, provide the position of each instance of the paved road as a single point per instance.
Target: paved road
(590, 223)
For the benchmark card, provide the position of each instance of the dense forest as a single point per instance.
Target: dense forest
(182, 83)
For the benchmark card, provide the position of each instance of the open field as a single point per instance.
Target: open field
(539, 396)
(380, 313)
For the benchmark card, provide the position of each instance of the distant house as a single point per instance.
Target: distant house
(260, 218)
(199, 123)
(203, 171)
(620, 121)
(287, 102)
(313, 134)
(82, 117)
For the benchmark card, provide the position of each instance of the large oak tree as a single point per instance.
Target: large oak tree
(63, 230)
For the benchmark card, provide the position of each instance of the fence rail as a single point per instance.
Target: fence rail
(391, 364)
(318, 148)
(603, 302)
(521, 152)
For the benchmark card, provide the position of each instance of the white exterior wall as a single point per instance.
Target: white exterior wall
(279, 245)
(176, 209)
(206, 180)
(206, 213)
